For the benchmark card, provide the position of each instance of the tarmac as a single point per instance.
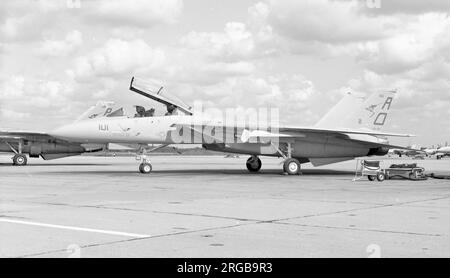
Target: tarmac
(210, 206)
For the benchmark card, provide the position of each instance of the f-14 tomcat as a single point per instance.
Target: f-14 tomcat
(351, 129)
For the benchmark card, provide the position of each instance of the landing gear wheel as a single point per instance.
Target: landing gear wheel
(20, 160)
(381, 177)
(372, 178)
(291, 166)
(145, 168)
(253, 164)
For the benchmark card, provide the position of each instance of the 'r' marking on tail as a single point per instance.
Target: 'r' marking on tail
(371, 109)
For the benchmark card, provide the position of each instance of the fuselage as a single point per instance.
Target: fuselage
(182, 129)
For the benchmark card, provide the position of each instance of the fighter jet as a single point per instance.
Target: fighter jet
(37, 144)
(351, 129)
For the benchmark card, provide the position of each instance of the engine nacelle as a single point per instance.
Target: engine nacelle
(37, 149)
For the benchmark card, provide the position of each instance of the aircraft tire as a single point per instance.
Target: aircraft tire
(371, 178)
(20, 160)
(291, 166)
(252, 165)
(381, 177)
(145, 168)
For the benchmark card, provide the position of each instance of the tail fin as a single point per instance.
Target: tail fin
(101, 109)
(341, 114)
(356, 113)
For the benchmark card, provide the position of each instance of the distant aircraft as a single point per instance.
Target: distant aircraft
(442, 152)
(351, 129)
(412, 151)
(439, 152)
(417, 152)
(41, 144)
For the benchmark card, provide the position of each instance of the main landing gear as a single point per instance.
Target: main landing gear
(291, 166)
(254, 164)
(19, 159)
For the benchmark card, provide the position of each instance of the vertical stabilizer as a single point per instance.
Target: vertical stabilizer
(355, 112)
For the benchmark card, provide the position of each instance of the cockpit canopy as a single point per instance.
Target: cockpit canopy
(165, 105)
(110, 109)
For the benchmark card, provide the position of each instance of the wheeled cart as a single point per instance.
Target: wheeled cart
(370, 169)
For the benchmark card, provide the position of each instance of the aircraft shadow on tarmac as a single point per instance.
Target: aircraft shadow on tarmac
(55, 165)
(308, 172)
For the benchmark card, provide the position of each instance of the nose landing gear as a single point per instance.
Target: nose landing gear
(145, 167)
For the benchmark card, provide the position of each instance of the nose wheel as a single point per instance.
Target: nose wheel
(145, 168)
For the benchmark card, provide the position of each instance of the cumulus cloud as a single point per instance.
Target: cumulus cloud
(236, 40)
(322, 20)
(9, 29)
(25, 21)
(287, 92)
(7, 115)
(422, 39)
(73, 40)
(13, 87)
(234, 43)
(384, 42)
(117, 57)
(204, 72)
(30, 102)
(21, 21)
(135, 12)
(406, 7)
(33, 92)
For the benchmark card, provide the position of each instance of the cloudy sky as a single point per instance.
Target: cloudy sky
(58, 57)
